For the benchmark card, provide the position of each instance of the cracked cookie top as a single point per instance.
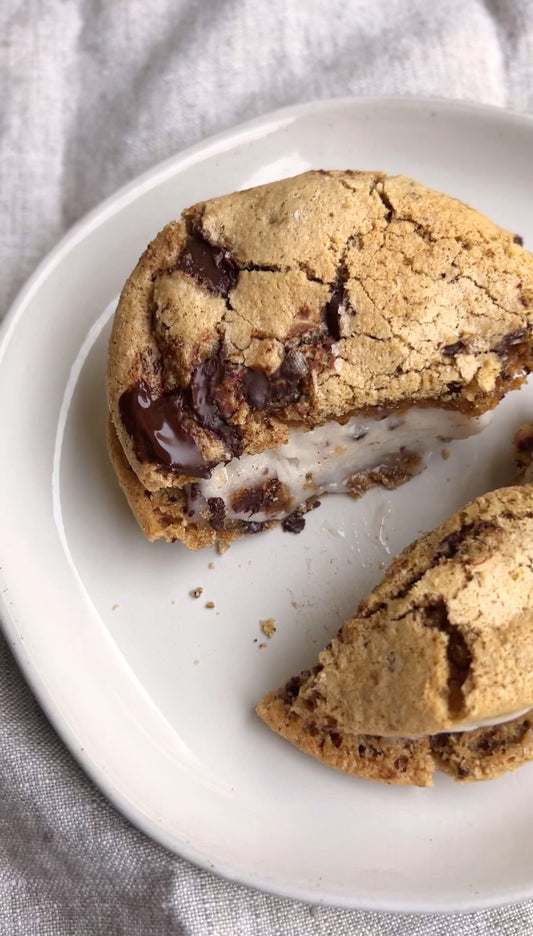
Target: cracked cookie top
(305, 300)
(444, 640)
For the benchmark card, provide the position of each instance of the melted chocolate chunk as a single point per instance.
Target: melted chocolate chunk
(332, 311)
(282, 387)
(518, 239)
(294, 523)
(213, 267)
(156, 426)
(160, 425)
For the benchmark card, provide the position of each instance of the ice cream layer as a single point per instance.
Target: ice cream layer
(273, 483)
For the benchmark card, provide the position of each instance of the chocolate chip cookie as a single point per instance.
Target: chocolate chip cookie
(316, 334)
(435, 663)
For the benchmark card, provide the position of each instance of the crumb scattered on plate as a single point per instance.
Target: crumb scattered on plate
(262, 646)
(211, 565)
(196, 592)
(210, 604)
(114, 608)
(268, 626)
(446, 452)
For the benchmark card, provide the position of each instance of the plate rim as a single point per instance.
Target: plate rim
(90, 221)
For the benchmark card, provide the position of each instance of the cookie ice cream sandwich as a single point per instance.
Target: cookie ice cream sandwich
(435, 671)
(315, 335)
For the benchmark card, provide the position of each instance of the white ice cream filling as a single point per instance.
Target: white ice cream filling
(322, 460)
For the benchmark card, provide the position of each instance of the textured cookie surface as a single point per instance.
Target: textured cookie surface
(304, 301)
(445, 640)
(483, 754)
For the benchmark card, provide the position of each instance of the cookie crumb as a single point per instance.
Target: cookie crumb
(196, 592)
(196, 662)
(211, 565)
(172, 601)
(446, 453)
(222, 547)
(268, 626)
(262, 646)
(210, 604)
(114, 608)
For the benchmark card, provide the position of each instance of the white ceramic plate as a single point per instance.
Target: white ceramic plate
(153, 692)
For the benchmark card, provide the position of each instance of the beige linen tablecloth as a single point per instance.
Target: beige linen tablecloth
(92, 93)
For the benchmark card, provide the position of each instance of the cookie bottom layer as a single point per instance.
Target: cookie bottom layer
(482, 754)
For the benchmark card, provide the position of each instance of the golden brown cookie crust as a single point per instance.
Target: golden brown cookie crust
(483, 754)
(371, 291)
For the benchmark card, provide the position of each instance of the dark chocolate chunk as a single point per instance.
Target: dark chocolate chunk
(401, 764)
(255, 386)
(332, 311)
(213, 267)
(284, 386)
(217, 512)
(455, 386)
(524, 442)
(336, 738)
(452, 349)
(156, 425)
(261, 499)
(518, 239)
(292, 688)
(294, 523)
(451, 544)
(510, 340)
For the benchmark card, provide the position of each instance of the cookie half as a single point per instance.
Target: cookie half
(444, 644)
(313, 335)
